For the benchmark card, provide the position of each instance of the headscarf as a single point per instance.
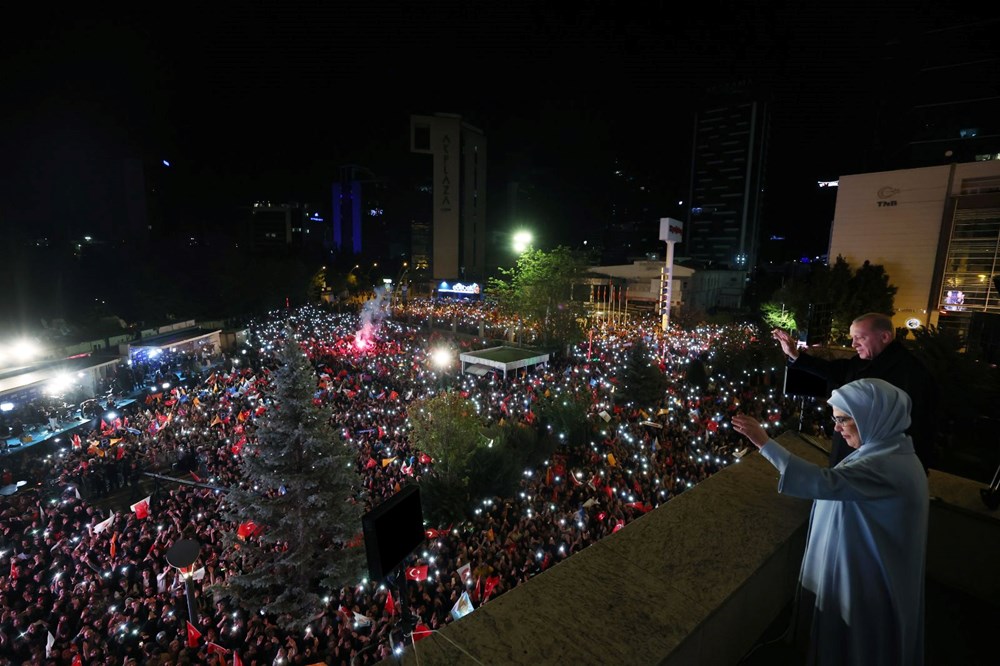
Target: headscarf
(880, 410)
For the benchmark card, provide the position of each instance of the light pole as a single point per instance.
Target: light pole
(670, 232)
(182, 555)
(521, 242)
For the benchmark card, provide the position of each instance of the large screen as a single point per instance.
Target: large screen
(392, 531)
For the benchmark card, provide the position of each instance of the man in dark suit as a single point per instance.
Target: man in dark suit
(879, 355)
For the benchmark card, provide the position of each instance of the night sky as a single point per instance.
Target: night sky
(267, 103)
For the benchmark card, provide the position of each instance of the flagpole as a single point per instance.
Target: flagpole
(404, 599)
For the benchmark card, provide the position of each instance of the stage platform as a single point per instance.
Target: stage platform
(39, 434)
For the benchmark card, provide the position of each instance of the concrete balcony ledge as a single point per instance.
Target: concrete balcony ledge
(698, 580)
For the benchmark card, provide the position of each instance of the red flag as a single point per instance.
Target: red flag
(13, 568)
(420, 632)
(104, 426)
(247, 529)
(639, 506)
(77, 661)
(141, 508)
(491, 584)
(193, 635)
(416, 573)
(370, 463)
(390, 605)
(76, 442)
(114, 545)
(215, 648)
(425, 459)
(236, 659)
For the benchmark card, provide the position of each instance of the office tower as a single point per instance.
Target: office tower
(458, 215)
(727, 181)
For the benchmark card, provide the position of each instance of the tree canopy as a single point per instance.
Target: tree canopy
(447, 428)
(846, 292)
(642, 381)
(539, 289)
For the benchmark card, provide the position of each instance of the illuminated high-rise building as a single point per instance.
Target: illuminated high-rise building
(458, 216)
(727, 181)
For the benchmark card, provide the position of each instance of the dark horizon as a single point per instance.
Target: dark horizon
(267, 104)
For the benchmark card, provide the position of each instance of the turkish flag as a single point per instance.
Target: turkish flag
(141, 508)
(639, 506)
(416, 573)
(247, 529)
(215, 648)
(390, 605)
(77, 661)
(420, 632)
(193, 636)
(425, 459)
(491, 584)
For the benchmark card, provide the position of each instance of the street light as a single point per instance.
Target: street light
(522, 241)
(441, 359)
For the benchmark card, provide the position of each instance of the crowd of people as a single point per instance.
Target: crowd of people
(89, 585)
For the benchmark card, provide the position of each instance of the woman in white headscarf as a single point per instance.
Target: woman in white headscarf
(862, 578)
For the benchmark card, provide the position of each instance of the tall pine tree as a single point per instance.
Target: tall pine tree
(297, 486)
(641, 380)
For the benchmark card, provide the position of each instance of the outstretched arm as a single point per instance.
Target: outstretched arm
(788, 344)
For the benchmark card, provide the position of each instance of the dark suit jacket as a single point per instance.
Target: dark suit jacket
(896, 365)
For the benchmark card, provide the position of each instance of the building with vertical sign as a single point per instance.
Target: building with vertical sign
(936, 230)
(458, 217)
